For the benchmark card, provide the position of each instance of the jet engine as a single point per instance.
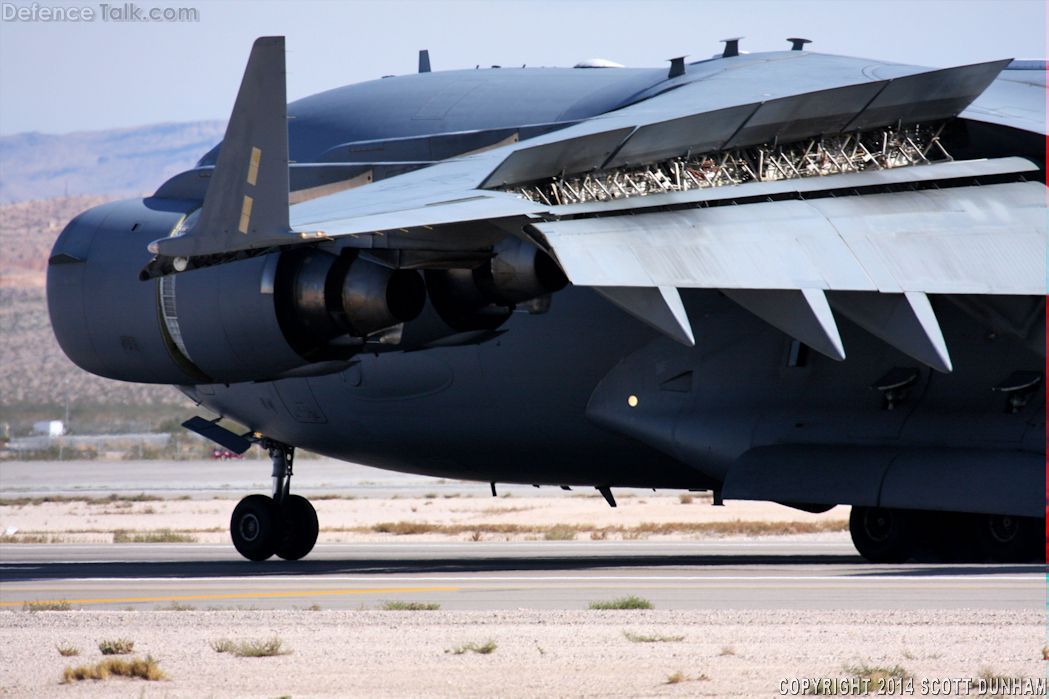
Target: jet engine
(207, 325)
(322, 296)
(483, 297)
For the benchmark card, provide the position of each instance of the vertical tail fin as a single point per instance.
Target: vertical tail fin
(246, 204)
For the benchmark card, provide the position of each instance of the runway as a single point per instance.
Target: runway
(736, 574)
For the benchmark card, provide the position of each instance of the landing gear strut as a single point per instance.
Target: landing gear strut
(285, 524)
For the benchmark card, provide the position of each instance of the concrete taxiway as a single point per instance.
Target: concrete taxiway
(736, 574)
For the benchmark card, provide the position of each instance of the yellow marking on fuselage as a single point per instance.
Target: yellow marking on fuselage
(236, 595)
(245, 214)
(253, 165)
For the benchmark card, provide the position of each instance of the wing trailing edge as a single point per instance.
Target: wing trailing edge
(874, 258)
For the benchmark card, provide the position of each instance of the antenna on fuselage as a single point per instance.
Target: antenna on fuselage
(677, 67)
(424, 61)
(731, 47)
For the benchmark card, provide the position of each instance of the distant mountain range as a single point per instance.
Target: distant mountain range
(45, 180)
(114, 162)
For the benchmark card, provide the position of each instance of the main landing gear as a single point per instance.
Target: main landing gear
(886, 535)
(285, 524)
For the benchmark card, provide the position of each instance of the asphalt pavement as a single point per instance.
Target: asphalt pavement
(733, 574)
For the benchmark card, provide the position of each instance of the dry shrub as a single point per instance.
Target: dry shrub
(628, 602)
(141, 668)
(60, 605)
(653, 638)
(159, 536)
(402, 606)
(264, 648)
(116, 646)
(485, 648)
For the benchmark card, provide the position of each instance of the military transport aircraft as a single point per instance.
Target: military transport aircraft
(783, 276)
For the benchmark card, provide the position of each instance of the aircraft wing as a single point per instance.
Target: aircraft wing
(1015, 99)
(791, 181)
(785, 96)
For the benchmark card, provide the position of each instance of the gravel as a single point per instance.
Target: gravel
(539, 653)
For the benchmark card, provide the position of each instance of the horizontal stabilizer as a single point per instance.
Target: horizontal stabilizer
(804, 314)
(246, 204)
(905, 321)
(660, 307)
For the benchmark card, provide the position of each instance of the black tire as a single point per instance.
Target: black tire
(948, 537)
(882, 535)
(254, 527)
(1009, 539)
(299, 521)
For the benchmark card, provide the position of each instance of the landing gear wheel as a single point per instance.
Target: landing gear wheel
(255, 527)
(882, 535)
(300, 528)
(1009, 539)
(946, 537)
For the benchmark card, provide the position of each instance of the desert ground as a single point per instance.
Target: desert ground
(423, 517)
(372, 653)
(309, 648)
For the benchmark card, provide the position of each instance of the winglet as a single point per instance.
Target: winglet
(246, 204)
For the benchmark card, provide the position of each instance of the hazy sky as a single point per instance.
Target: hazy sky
(68, 76)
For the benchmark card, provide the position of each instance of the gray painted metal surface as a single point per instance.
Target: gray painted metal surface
(930, 95)
(982, 240)
(804, 314)
(704, 355)
(244, 206)
(890, 477)
(659, 307)
(1013, 102)
(906, 321)
(711, 86)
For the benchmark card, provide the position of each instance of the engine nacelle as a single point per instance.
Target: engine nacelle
(519, 272)
(483, 298)
(249, 320)
(321, 296)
